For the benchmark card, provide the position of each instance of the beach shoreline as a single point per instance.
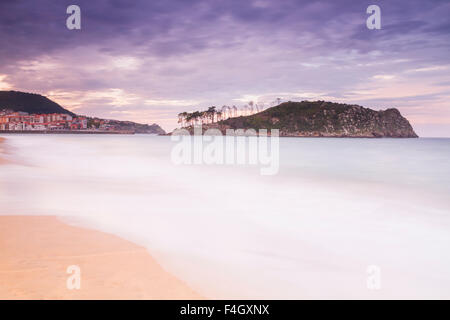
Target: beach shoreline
(2, 140)
(37, 252)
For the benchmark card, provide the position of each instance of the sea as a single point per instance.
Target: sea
(341, 218)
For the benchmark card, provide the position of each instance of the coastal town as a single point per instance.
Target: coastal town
(23, 121)
(17, 121)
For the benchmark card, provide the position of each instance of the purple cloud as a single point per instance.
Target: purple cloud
(149, 60)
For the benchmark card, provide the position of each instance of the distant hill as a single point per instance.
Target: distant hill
(139, 128)
(324, 119)
(129, 126)
(30, 102)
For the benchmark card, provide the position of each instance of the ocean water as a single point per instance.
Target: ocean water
(340, 215)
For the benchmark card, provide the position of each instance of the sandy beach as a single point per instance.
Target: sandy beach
(35, 252)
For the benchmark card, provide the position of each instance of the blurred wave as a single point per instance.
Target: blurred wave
(336, 207)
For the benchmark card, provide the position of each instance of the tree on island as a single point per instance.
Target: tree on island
(212, 115)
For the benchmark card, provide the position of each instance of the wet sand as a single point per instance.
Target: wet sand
(36, 251)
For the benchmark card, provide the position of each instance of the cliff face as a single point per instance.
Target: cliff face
(324, 119)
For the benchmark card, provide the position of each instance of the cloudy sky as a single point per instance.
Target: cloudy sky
(148, 60)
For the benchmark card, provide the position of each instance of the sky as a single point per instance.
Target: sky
(147, 61)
